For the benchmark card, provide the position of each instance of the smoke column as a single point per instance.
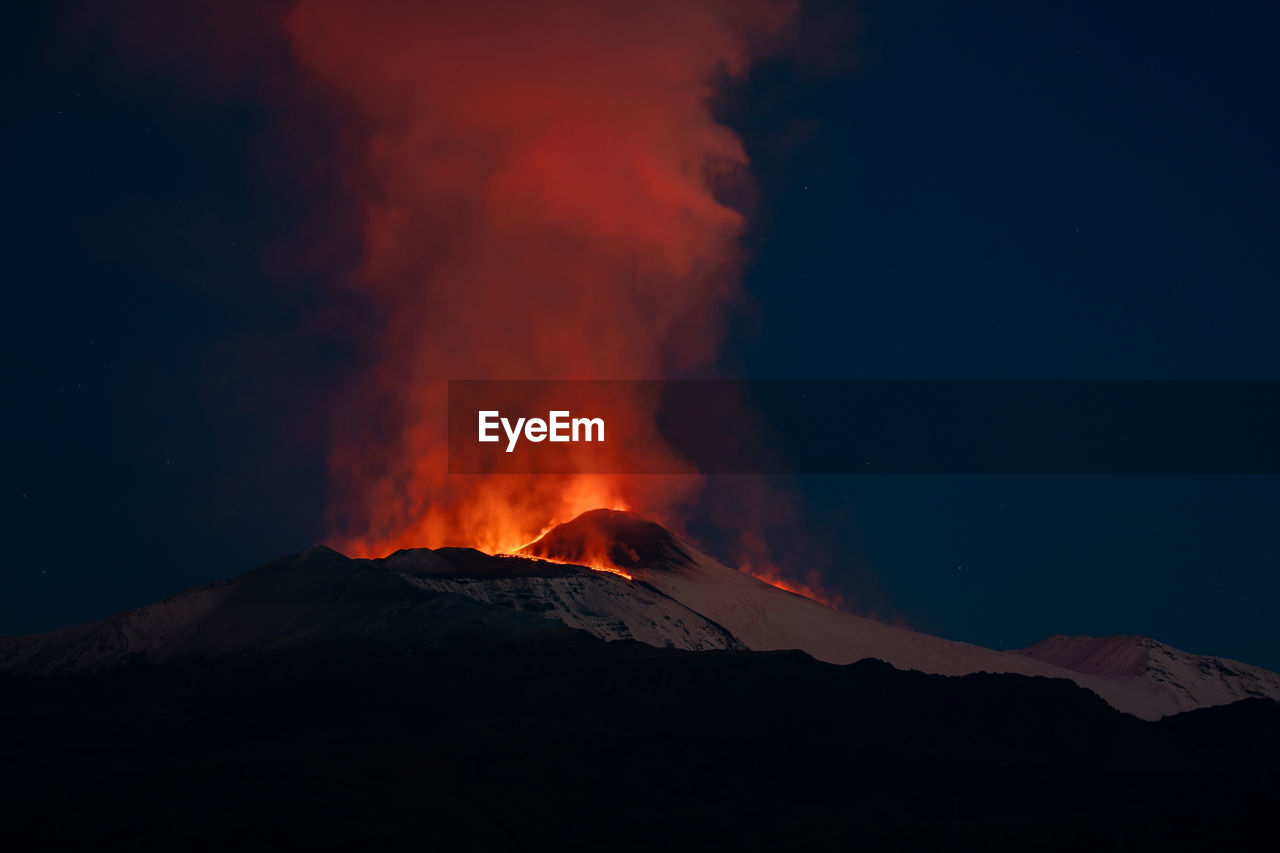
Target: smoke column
(538, 190)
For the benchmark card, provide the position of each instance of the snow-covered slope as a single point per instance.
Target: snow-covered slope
(1161, 676)
(602, 604)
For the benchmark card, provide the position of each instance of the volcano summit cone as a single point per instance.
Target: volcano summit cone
(612, 537)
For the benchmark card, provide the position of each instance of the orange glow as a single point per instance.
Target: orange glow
(538, 184)
(598, 567)
(592, 551)
(811, 588)
(596, 558)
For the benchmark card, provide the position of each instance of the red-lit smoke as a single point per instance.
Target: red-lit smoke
(538, 189)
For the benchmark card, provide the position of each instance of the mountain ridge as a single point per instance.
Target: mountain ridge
(672, 596)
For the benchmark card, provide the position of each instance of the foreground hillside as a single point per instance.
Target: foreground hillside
(546, 736)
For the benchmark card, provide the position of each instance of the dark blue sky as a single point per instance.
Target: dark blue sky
(982, 191)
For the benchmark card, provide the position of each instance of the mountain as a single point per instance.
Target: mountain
(614, 575)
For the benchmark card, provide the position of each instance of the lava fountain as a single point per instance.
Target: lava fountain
(540, 191)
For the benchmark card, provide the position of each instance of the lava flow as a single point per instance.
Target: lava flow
(605, 540)
(815, 591)
(628, 544)
(594, 566)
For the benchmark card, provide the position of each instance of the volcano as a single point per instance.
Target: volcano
(614, 575)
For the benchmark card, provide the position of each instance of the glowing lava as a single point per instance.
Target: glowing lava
(812, 587)
(596, 567)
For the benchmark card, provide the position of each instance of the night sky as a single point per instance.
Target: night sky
(943, 191)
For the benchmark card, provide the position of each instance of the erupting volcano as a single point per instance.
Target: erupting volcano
(546, 193)
(608, 345)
